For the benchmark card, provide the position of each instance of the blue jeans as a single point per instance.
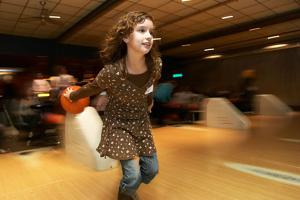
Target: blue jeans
(136, 172)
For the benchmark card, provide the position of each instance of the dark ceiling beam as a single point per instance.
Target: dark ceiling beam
(195, 13)
(241, 44)
(254, 49)
(101, 9)
(267, 21)
(252, 44)
(259, 46)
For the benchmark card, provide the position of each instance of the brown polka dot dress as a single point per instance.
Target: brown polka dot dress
(126, 124)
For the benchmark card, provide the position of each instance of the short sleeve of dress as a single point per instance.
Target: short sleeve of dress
(101, 83)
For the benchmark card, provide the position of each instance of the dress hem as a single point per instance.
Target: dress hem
(125, 158)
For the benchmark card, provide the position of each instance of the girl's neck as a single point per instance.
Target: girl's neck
(135, 64)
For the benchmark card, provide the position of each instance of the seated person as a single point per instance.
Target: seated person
(247, 91)
(40, 84)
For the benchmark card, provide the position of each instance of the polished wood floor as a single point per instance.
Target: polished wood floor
(191, 159)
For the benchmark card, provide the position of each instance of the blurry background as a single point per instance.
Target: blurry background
(207, 47)
(37, 35)
(238, 50)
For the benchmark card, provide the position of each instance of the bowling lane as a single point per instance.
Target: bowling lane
(211, 163)
(196, 162)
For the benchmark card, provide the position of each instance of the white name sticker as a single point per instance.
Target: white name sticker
(149, 90)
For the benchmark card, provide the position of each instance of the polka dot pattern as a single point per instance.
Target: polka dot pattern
(126, 124)
(126, 132)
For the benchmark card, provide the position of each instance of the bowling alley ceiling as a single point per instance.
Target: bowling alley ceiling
(186, 28)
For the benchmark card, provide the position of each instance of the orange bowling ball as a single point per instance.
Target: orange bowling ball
(74, 107)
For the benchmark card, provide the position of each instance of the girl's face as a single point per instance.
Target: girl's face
(141, 39)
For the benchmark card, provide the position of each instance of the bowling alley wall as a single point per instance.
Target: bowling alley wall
(277, 72)
(41, 55)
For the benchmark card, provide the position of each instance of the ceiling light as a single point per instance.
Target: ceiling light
(275, 46)
(272, 37)
(185, 0)
(213, 56)
(156, 38)
(209, 49)
(54, 17)
(186, 45)
(227, 17)
(254, 29)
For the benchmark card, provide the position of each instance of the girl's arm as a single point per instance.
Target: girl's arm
(101, 83)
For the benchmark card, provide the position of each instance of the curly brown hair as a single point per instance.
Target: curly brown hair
(115, 48)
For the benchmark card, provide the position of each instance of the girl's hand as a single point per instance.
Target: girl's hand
(67, 93)
(150, 107)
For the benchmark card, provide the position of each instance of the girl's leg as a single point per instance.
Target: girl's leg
(135, 173)
(148, 167)
(131, 179)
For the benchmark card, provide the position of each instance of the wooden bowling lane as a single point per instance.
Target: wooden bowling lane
(192, 161)
(201, 156)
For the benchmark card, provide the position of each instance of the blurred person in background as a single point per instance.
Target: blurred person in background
(63, 79)
(8, 86)
(162, 95)
(40, 84)
(163, 91)
(24, 115)
(246, 91)
(60, 81)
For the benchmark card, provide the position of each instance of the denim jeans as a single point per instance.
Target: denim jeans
(136, 172)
